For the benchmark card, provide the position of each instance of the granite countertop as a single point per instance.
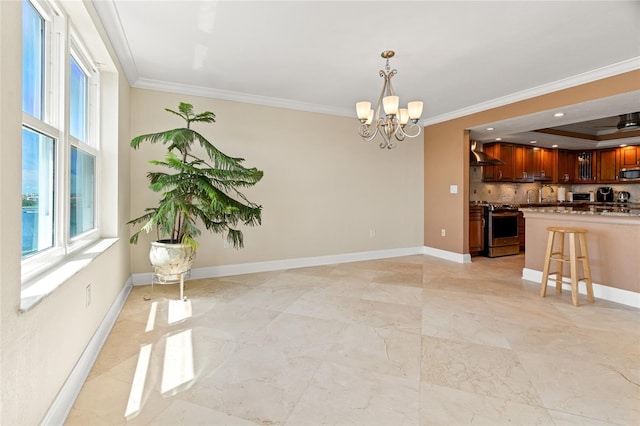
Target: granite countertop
(576, 207)
(591, 208)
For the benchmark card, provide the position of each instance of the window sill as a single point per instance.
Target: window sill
(36, 289)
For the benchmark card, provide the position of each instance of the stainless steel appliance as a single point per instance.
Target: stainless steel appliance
(501, 233)
(630, 174)
(581, 196)
(623, 196)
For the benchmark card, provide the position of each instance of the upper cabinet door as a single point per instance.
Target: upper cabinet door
(629, 156)
(504, 153)
(565, 161)
(608, 165)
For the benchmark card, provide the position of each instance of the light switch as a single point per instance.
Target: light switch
(453, 189)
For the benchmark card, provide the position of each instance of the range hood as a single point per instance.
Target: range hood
(629, 121)
(479, 158)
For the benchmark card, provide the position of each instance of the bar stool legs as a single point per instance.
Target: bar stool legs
(572, 259)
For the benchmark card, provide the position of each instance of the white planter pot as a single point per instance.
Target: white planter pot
(171, 260)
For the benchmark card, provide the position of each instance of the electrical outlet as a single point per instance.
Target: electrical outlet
(87, 296)
(372, 233)
(225, 244)
(443, 232)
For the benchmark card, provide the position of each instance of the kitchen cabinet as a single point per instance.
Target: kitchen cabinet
(608, 165)
(489, 172)
(565, 161)
(523, 163)
(476, 230)
(521, 229)
(585, 167)
(543, 163)
(629, 156)
(505, 153)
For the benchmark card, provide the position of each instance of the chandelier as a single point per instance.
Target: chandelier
(393, 123)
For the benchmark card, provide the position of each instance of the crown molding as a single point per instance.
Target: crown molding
(587, 77)
(628, 65)
(208, 92)
(108, 12)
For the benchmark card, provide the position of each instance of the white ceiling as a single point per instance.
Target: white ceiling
(459, 57)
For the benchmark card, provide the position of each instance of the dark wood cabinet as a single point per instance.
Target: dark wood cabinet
(476, 229)
(543, 163)
(505, 153)
(506, 172)
(629, 156)
(523, 163)
(565, 170)
(607, 164)
(521, 228)
(585, 167)
(489, 172)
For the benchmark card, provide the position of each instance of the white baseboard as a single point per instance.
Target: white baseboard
(279, 265)
(447, 255)
(61, 406)
(612, 294)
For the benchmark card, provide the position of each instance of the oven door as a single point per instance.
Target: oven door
(503, 236)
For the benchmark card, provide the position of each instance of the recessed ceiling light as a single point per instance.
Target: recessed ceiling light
(498, 139)
(559, 114)
(554, 146)
(489, 128)
(622, 145)
(533, 142)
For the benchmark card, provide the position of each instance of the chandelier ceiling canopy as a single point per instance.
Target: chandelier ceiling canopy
(388, 120)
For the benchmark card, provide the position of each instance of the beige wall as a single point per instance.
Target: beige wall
(323, 189)
(40, 347)
(446, 156)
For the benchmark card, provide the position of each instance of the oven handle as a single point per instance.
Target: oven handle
(505, 214)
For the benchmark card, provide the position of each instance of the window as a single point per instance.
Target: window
(37, 187)
(60, 153)
(82, 200)
(77, 102)
(32, 60)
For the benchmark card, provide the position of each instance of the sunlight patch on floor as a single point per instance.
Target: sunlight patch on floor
(139, 379)
(178, 361)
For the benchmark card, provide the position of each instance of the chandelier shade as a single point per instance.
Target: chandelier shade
(388, 120)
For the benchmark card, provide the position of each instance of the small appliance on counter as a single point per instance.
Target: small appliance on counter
(562, 194)
(605, 194)
(623, 196)
(581, 196)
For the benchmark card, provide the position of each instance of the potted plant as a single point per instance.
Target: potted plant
(195, 191)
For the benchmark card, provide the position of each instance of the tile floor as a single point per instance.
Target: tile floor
(405, 341)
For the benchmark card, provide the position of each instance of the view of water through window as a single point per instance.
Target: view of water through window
(37, 191)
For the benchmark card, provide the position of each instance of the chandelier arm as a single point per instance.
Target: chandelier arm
(399, 134)
(368, 133)
(412, 130)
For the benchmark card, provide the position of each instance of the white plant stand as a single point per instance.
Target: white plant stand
(157, 278)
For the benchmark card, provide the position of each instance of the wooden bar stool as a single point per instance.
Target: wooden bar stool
(572, 259)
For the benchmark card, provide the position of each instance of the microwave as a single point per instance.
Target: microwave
(630, 173)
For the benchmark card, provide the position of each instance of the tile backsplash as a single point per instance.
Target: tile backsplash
(517, 192)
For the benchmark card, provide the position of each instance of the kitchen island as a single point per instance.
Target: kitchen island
(613, 235)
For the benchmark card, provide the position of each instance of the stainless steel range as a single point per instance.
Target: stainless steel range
(501, 232)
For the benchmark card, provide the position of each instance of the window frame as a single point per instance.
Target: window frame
(61, 43)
